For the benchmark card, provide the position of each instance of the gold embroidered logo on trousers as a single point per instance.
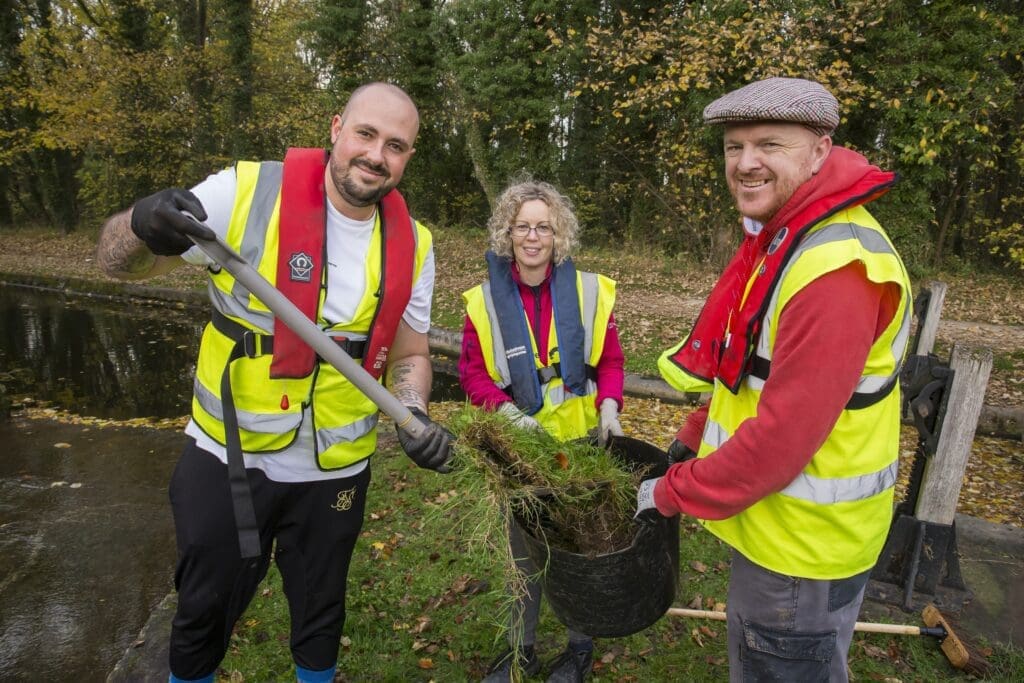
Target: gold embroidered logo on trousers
(345, 499)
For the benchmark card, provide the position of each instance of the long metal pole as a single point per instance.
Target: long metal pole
(325, 347)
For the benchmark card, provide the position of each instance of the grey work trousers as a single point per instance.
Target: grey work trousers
(526, 611)
(785, 628)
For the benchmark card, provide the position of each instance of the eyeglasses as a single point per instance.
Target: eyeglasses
(523, 229)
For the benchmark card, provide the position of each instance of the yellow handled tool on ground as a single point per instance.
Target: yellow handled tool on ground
(959, 654)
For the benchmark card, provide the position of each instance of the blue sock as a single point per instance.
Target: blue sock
(307, 676)
(204, 679)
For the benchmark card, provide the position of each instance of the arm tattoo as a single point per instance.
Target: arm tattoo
(120, 253)
(405, 384)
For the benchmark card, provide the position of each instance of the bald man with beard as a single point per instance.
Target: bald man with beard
(279, 443)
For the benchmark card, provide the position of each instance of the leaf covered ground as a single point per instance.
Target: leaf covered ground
(426, 604)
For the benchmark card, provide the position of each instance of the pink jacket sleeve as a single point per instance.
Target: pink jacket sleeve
(610, 367)
(825, 334)
(473, 376)
(690, 433)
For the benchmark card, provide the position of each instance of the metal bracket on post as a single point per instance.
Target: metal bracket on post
(919, 562)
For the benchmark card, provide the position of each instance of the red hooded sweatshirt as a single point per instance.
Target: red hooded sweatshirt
(807, 389)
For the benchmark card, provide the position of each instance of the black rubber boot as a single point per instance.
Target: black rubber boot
(500, 670)
(572, 666)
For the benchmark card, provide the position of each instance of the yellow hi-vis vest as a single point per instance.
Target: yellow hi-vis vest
(270, 411)
(564, 415)
(831, 521)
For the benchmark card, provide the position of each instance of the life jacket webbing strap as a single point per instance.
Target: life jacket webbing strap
(256, 344)
(515, 334)
(241, 495)
(546, 374)
(761, 367)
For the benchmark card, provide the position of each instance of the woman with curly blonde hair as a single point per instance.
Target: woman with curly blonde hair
(562, 218)
(540, 345)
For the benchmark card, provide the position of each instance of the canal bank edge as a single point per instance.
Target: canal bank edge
(146, 658)
(995, 421)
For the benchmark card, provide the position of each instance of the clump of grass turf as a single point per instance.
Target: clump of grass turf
(573, 495)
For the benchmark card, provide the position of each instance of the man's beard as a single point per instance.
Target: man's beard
(351, 191)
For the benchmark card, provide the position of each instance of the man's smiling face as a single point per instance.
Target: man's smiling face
(765, 163)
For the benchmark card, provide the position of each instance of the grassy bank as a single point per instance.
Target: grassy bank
(423, 605)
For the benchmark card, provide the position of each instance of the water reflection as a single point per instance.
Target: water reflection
(86, 544)
(94, 358)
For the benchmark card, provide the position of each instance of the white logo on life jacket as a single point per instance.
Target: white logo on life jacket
(301, 267)
(516, 351)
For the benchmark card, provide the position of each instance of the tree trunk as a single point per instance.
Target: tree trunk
(238, 20)
(949, 211)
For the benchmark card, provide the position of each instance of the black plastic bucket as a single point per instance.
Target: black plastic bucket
(620, 593)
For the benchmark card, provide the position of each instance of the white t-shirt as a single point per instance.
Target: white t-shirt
(348, 242)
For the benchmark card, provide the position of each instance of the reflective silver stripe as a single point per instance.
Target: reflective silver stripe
(325, 438)
(714, 434)
(869, 384)
(830, 491)
(268, 186)
(589, 312)
(235, 304)
(558, 394)
(261, 423)
(232, 307)
(902, 338)
(497, 342)
(872, 241)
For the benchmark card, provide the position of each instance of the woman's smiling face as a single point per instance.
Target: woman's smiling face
(532, 251)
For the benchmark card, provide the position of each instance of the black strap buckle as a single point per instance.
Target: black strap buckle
(251, 344)
(354, 349)
(548, 373)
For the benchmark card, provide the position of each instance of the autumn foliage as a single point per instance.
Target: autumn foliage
(105, 102)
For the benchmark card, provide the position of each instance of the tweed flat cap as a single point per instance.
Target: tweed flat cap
(794, 100)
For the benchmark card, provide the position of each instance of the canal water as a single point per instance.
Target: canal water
(86, 536)
(99, 358)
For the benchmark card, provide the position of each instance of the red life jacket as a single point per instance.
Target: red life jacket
(724, 338)
(301, 254)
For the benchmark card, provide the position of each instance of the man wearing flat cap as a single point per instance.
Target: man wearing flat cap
(793, 460)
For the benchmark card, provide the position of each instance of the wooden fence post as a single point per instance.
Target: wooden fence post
(928, 325)
(944, 472)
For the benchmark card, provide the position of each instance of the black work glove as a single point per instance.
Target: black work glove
(679, 452)
(432, 448)
(158, 221)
